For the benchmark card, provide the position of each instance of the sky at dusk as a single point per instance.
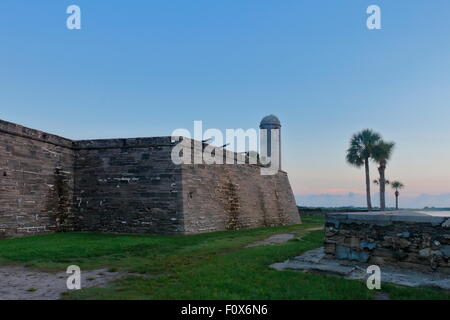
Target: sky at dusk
(146, 68)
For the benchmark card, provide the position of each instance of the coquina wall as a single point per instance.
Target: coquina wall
(52, 184)
(133, 186)
(36, 181)
(233, 196)
(128, 186)
(230, 197)
(403, 239)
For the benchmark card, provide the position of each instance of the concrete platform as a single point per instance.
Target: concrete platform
(315, 261)
(387, 217)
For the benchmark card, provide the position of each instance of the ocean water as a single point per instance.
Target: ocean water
(437, 213)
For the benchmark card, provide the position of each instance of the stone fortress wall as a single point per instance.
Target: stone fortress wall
(51, 184)
(228, 197)
(36, 181)
(127, 186)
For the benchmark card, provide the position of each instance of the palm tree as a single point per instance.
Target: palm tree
(359, 153)
(377, 182)
(381, 153)
(397, 185)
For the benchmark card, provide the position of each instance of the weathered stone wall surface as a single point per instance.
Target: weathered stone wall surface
(406, 240)
(230, 197)
(128, 186)
(36, 181)
(51, 184)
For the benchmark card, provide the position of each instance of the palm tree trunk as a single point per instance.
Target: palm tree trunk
(396, 199)
(369, 200)
(381, 170)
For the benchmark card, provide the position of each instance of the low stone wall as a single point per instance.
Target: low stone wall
(405, 239)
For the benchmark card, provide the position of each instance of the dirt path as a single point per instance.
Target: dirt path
(20, 283)
(281, 237)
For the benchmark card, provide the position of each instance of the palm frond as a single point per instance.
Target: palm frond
(382, 151)
(397, 185)
(361, 147)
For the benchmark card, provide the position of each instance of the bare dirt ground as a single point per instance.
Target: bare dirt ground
(282, 237)
(20, 283)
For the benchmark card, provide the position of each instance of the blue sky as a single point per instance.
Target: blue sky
(145, 68)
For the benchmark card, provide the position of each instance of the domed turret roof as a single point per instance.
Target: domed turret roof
(270, 120)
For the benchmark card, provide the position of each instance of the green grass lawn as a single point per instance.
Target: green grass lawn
(206, 266)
